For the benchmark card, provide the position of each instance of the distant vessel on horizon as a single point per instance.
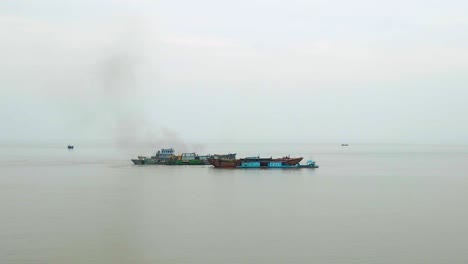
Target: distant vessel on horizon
(70, 147)
(344, 145)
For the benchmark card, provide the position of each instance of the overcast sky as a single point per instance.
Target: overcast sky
(237, 71)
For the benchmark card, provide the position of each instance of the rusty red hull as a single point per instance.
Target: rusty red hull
(224, 163)
(289, 161)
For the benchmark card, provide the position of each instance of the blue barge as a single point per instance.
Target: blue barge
(275, 165)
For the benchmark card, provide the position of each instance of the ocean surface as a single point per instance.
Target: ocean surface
(365, 204)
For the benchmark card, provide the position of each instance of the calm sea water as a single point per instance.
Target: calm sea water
(365, 204)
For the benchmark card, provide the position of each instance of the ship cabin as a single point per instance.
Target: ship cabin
(165, 154)
(188, 156)
(203, 157)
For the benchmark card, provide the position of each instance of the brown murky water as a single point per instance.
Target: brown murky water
(365, 204)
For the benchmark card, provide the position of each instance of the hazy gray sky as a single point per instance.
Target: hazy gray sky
(289, 71)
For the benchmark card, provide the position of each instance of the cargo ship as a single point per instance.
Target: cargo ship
(286, 160)
(274, 164)
(224, 160)
(224, 163)
(160, 158)
(187, 159)
(221, 162)
(167, 157)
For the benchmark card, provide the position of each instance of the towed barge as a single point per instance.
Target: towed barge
(276, 165)
(258, 162)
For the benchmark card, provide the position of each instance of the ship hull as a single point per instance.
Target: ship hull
(224, 163)
(290, 161)
(147, 162)
(193, 162)
(137, 162)
(284, 160)
(258, 166)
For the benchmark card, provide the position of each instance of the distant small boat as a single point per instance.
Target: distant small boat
(344, 145)
(70, 146)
